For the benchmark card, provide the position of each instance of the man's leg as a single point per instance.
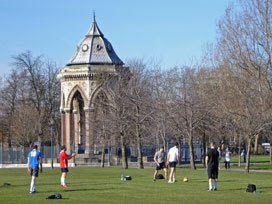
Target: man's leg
(174, 174)
(215, 183)
(63, 178)
(210, 184)
(155, 174)
(165, 174)
(171, 174)
(32, 184)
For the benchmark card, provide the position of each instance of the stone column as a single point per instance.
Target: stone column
(68, 131)
(89, 126)
(63, 140)
(76, 129)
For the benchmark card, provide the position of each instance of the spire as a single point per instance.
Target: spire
(94, 16)
(94, 30)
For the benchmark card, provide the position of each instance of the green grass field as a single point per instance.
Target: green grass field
(103, 185)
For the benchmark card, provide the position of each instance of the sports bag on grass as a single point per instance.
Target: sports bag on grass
(55, 196)
(159, 176)
(251, 188)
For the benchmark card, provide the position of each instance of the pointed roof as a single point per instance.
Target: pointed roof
(94, 49)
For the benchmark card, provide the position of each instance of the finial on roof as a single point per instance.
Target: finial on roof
(93, 15)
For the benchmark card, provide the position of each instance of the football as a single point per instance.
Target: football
(185, 179)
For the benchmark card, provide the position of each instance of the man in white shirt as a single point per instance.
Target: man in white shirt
(172, 160)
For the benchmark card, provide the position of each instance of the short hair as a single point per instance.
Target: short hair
(212, 143)
(176, 144)
(63, 147)
(162, 147)
(35, 146)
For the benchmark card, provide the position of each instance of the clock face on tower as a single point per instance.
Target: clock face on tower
(85, 48)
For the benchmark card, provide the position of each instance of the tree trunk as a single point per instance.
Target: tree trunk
(248, 154)
(124, 154)
(192, 156)
(271, 153)
(239, 153)
(256, 144)
(103, 155)
(140, 155)
(204, 149)
(164, 145)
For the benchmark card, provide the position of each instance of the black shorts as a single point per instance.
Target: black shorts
(64, 170)
(34, 171)
(172, 164)
(213, 173)
(161, 166)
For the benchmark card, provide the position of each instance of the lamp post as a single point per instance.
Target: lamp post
(52, 129)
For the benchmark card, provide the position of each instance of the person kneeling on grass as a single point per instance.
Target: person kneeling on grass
(63, 158)
(212, 160)
(34, 158)
(159, 159)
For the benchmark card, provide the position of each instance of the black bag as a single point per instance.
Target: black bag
(55, 196)
(159, 176)
(127, 178)
(6, 184)
(251, 188)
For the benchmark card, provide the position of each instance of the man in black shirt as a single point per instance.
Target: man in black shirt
(212, 160)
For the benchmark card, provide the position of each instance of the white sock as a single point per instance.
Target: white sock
(215, 184)
(174, 179)
(62, 180)
(32, 186)
(210, 185)
(170, 180)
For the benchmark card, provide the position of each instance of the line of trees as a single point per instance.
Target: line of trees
(224, 97)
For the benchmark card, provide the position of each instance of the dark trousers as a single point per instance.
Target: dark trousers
(227, 165)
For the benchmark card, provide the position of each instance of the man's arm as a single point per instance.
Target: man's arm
(71, 156)
(178, 158)
(155, 160)
(168, 156)
(206, 161)
(28, 163)
(40, 161)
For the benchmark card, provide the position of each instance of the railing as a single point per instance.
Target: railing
(18, 155)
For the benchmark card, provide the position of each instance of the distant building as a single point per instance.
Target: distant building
(80, 89)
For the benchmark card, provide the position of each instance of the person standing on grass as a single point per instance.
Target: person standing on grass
(34, 159)
(220, 157)
(227, 158)
(212, 162)
(172, 160)
(63, 158)
(159, 159)
(244, 155)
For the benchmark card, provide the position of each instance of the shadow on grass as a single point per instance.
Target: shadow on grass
(78, 190)
(87, 189)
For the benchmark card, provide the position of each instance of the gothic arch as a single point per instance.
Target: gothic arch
(96, 92)
(72, 93)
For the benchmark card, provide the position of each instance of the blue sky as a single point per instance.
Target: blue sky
(172, 31)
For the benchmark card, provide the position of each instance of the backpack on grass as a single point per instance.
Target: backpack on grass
(251, 188)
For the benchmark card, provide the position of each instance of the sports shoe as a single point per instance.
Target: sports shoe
(209, 190)
(166, 179)
(154, 179)
(32, 192)
(63, 185)
(171, 182)
(215, 189)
